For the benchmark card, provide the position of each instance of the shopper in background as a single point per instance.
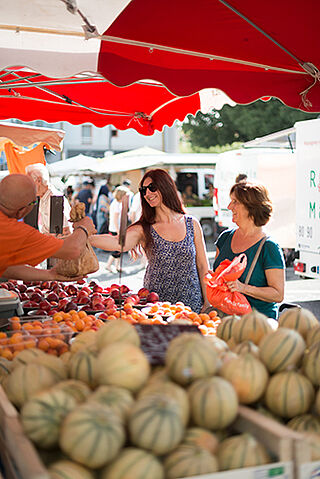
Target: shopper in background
(85, 195)
(172, 241)
(114, 226)
(40, 175)
(127, 184)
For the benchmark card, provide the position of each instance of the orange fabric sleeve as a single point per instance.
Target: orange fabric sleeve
(22, 244)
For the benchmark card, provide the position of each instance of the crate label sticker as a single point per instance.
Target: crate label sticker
(273, 472)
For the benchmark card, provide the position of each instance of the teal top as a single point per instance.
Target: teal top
(271, 257)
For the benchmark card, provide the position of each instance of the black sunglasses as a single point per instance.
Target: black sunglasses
(143, 189)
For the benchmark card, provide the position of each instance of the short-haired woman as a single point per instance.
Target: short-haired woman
(251, 209)
(172, 241)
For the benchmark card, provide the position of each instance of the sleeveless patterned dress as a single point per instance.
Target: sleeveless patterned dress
(172, 270)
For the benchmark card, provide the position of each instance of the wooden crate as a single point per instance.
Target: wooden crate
(304, 467)
(18, 455)
(275, 437)
(21, 460)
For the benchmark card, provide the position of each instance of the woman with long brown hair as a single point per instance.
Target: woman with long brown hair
(172, 241)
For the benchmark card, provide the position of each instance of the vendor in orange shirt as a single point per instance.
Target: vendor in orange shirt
(22, 245)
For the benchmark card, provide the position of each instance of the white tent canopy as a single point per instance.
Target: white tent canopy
(132, 160)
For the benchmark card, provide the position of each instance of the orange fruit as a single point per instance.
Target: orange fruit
(82, 314)
(6, 353)
(54, 352)
(58, 317)
(79, 324)
(213, 314)
(43, 344)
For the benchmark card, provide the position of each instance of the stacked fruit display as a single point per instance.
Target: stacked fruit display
(278, 365)
(101, 409)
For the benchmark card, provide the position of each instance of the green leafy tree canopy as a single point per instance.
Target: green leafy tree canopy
(240, 123)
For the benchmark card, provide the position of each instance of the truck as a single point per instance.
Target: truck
(200, 179)
(307, 262)
(275, 168)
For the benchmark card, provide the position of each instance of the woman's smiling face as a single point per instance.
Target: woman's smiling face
(239, 211)
(153, 198)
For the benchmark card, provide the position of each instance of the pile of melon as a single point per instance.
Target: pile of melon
(277, 367)
(101, 411)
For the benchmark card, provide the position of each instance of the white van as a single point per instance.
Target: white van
(200, 180)
(276, 169)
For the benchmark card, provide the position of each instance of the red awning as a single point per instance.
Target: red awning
(246, 48)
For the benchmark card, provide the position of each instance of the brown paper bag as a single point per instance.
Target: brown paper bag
(87, 262)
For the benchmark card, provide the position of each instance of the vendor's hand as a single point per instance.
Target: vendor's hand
(236, 286)
(87, 223)
(53, 275)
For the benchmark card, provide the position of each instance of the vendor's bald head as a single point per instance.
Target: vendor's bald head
(16, 193)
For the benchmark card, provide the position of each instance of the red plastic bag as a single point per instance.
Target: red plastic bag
(218, 293)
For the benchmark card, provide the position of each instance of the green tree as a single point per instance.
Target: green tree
(241, 123)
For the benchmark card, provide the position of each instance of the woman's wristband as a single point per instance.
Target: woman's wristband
(83, 229)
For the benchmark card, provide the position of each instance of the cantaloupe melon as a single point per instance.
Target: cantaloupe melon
(226, 327)
(251, 327)
(311, 364)
(43, 414)
(69, 470)
(313, 335)
(213, 403)
(197, 436)
(83, 366)
(305, 423)
(84, 341)
(155, 424)
(172, 390)
(57, 367)
(300, 319)
(26, 380)
(246, 347)
(133, 463)
(248, 376)
(282, 349)
(289, 394)
(115, 331)
(189, 460)
(190, 356)
(27, 355)
(159, 375)
(224, 359)
(219, 345)
(118, 399)
(65, 357)
(5, 368)
(92, 436)
(79, 390)
(241, 451)
(124, 365)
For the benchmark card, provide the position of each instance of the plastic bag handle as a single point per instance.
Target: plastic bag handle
(235, 261)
